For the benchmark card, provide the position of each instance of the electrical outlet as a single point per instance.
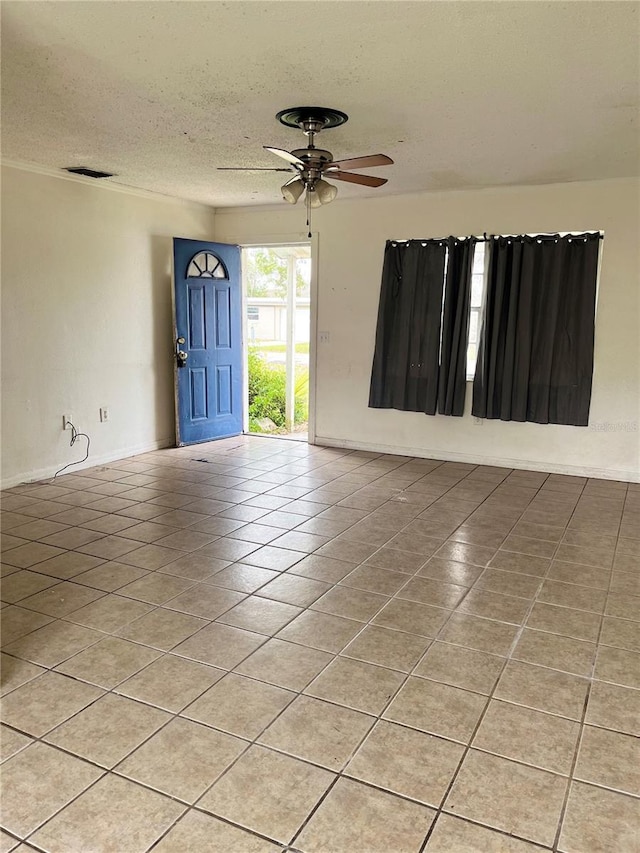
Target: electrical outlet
(324, 337)
(104, 415)
(65, 421)
(478, 421)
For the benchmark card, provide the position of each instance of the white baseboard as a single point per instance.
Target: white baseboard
(324, 441)
(475, 459)
(91, 462)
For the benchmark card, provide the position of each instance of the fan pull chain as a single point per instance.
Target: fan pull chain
(308, 213)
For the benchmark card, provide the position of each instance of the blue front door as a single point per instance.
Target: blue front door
(208, 340)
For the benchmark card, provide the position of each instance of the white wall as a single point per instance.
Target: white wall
(86, 319)
(351, 244)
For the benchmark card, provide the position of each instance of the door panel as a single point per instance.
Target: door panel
(224, 391)
(223, 313)
(199, 403)
(208, 366)
(197, 334)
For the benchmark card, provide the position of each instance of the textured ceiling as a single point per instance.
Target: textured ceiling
(459, 94)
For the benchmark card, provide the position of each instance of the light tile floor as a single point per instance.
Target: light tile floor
(256, 645)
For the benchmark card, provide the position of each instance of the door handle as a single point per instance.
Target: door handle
(181, 356)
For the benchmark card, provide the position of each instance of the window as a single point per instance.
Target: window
(477, 292)
(438, 295)
(538, 318)
(478, 281)
(206, 265)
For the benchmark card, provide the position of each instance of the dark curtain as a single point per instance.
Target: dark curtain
(405, 363)
(535, 357)
(452, 385)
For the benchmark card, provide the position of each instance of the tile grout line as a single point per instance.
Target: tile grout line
(301, 693)
(156, 607)
(334, 585)
(114, 769)
(590, 680)
(379, 717)
(194, 584)
(468, 746)
(166, 604)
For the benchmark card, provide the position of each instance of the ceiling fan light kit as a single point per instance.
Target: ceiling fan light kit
(324, 191)
(292, 190)
(312, 165)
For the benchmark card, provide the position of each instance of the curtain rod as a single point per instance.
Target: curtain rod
(486, 238)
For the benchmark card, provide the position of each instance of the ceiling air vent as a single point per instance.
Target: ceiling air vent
(88, 173)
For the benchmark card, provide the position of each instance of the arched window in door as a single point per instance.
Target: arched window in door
(206, 265)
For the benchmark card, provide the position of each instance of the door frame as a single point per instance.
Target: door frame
(268, 242)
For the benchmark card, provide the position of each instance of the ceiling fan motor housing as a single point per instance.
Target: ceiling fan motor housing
(315, 160)
(315, 156)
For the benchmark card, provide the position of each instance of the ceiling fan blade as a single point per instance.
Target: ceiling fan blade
(280, 152)
(291, 180)
(250, 169)
(365, 180)
(362, 162)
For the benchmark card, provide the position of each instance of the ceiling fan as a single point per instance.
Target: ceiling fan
(312, 165)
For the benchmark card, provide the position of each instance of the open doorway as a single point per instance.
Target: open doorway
(277, 304)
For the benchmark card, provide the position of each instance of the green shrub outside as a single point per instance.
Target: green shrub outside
(267, 392)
